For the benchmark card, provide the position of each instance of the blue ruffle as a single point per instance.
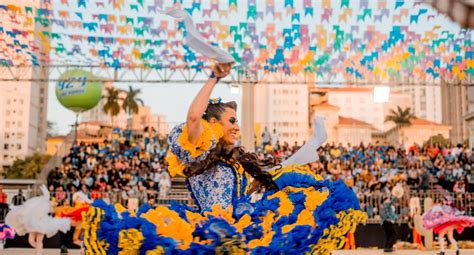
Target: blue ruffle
(299, 240)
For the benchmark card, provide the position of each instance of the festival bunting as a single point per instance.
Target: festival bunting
(361, 39)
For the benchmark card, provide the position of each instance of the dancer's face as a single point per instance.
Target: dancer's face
(230, 126)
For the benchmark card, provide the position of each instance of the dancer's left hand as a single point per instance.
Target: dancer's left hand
(221, 70)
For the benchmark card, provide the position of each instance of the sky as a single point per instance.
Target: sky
(170, 99)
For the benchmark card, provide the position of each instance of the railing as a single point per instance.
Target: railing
(57, 159)
(370, 203)
(137, 199)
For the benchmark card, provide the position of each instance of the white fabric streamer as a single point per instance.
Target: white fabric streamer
(308, 152)
(196, 41)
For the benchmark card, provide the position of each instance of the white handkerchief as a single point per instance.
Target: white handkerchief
(195, 40)
(308, 152)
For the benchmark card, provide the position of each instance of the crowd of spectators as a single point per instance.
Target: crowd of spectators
(132, 170)
(375, 167)
(138, 170)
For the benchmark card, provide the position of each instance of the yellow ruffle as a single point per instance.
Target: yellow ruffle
(336, 235)
(203, 144)
(157, 251)
(286, 207)
(211, 132)
(244, 222)
(169, 224)
(305, 169)
(218, 212)
(91, 223)
(130, 241)
(175, 167)
(305, 217)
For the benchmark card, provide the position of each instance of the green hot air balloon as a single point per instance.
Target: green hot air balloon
(78, 90)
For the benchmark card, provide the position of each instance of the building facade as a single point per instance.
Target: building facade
(419, 131)
(23, 105)
(358, 103)
(426, 101)
(283, 108)
(454, 110)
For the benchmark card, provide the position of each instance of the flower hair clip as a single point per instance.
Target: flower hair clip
(215, 100)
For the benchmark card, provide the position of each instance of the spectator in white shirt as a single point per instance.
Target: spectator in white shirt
(458, 172)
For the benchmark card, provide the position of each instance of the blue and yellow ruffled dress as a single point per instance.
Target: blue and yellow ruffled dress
(307, 215)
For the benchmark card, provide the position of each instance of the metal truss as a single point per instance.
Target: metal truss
(52, 73)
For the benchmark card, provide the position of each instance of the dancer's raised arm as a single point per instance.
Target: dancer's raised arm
(199, 104)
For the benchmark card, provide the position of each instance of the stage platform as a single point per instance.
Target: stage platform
(17, 251)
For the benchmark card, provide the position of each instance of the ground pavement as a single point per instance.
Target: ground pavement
(15, 251)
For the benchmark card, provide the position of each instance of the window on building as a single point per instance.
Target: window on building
(7, 135)
(7, 124)
(19, 124)
(8, 112)
(21, 101)
(41, 90)
(5, 157)
(18, 146)
(5, 146)
(8, 101)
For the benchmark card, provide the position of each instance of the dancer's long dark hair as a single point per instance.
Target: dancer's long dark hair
(236, 156)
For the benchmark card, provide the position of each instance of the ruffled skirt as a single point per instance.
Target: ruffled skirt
(458, 222)
(6, 232)
(307, 215)
(33, 216)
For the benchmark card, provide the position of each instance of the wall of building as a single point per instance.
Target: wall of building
(23, 123)
(353, 135)
(23, 105)
(426, 101)
(358, 103)
(415, 134)
(284, 108)
(454, 108)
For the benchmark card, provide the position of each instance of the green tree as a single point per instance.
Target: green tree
(401, 116)
(438, 139)
(27, 168)
(131, 101)
(112, 106)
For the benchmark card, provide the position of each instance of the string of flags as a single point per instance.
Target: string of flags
(359, 39)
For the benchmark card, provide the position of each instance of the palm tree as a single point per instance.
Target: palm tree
(130, 103)
(401, 117)
(112, 106)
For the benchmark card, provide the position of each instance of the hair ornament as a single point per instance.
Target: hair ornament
(215, 100)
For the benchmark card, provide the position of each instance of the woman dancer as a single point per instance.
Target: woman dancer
(444, 219)
(298, 213)
(33, 218)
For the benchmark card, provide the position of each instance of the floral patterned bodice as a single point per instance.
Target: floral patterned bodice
(219, 185)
